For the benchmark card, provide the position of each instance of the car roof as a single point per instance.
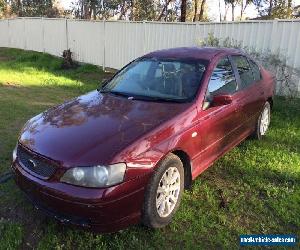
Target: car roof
(204, 53)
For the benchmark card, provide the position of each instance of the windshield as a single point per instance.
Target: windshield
(158, 79)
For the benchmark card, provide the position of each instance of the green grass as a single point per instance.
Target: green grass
(257, 182)
(11, 235)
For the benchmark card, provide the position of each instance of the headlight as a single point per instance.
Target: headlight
(14, 153)
(96, 176)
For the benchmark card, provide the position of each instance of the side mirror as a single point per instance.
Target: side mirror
(222, 99)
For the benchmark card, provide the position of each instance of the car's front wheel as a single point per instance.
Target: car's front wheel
(263, 122)
(163, 193)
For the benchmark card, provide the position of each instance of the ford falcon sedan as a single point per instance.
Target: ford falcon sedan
(124, 154)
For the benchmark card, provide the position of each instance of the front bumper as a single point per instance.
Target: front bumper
(101, 209)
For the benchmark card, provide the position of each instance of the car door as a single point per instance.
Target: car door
(250, 97)
(218, 124)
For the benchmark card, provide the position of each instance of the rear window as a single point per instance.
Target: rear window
(255, 70)
(244, 70)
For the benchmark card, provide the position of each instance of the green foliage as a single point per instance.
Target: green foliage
(271, 9)
(30, 8)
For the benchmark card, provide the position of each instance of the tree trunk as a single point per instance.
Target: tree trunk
(242, 8)
(289, 11)
(226, 11)
(81, 9)
(183, 11)
(163, 10)
(93, 9)
(232, 11)
(19, 7)
(220, 10)
(123, 10)
(86, 8)
(270, 8)
(202, 10)
(196, 10)
(132, 11)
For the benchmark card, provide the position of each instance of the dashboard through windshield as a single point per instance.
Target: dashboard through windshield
(158, 79)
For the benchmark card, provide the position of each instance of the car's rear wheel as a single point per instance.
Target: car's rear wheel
(163, 193)
(263, 122)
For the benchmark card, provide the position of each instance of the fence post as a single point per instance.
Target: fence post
(67, 35)
(144, 38)
(196, 34)
(8, 31)
(24, 34)
(104, 42)
(43, 34)
(273, 36)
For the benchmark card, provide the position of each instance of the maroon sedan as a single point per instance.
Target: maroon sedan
(124, 154)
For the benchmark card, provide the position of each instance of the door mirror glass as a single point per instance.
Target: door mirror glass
(220, 100)
(221, 86)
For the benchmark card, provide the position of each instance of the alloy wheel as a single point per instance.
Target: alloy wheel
(264, 120)
(168, 192)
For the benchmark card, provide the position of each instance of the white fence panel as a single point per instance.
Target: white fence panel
(55, 36)
(124, 42)
(115, 43)
(33, 34)
(86, 41)
(16, 33)
(167, 35)
(4, 37)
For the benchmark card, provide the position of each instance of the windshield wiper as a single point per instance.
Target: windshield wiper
(142, 97)
(157, 99)
(115, 93)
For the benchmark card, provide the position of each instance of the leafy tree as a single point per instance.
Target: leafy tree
(270, 9)
(2, 8)
(21, 8)
(296, 11)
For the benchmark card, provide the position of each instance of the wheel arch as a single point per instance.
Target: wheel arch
(270, 100)
(185, 159)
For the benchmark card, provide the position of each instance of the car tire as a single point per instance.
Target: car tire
(163, 192)
(263, 122)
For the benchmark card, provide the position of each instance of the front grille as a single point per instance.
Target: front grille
(34, 163)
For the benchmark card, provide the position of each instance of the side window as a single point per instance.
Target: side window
(222, 81)
(244, 70)
(255, 70)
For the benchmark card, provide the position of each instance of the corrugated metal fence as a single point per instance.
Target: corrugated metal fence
(114, 43)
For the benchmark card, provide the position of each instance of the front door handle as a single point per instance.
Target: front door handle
(238, 106)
